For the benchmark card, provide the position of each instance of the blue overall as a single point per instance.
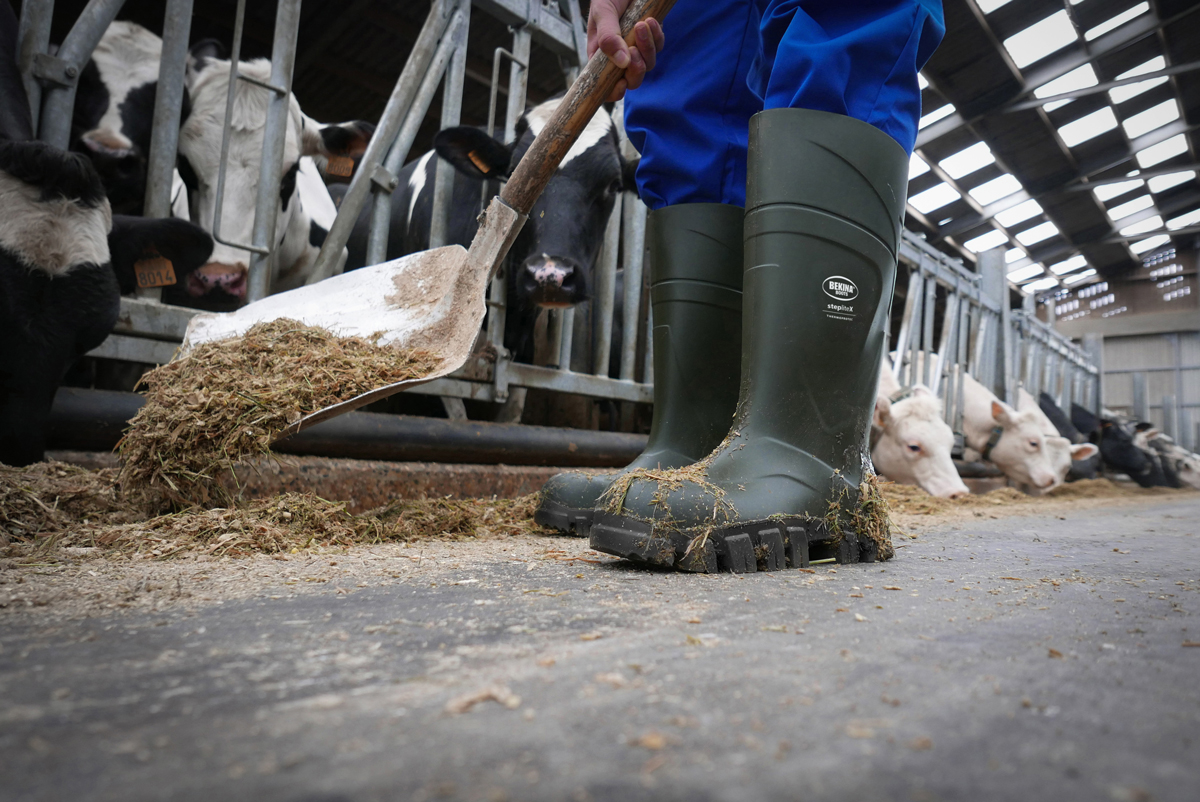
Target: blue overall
(726, 60)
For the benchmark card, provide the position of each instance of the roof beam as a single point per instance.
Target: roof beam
(1033, 103)
(1058, 66)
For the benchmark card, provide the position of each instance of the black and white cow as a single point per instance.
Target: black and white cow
(554, 255)
(64, 258)
(1120, 447)
(303, 218)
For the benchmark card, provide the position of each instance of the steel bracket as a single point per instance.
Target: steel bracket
(384, 179)
(54, 70)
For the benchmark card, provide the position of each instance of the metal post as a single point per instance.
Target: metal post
(927, 330)
(168, 105)
(283, 57)
(1141, 410)
(385, 134)
(606, 286)
(946, 344)
(33, 38)
(1168, 416)
(381, 211)
(912, 301)
(63, 69)
(635, 247)
(568, 338)
(1093, 346)
(995, 286)
(452, 94)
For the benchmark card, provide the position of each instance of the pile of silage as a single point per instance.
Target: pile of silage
(227, 401)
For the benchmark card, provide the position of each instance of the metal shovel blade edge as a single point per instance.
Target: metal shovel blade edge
(431, 300)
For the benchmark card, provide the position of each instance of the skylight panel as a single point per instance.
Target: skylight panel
(1037, 234)
(1041, 39)
(1105, 191)
(1074, 263)
(916, 166)
(1025, 273)
(1131, 207)
(1088, 127)
(933, 198)
(1149, 244)
(988, 6)
(1164, 150)
(1150, 119)
(922, 82)
(1189, 219)
(989, 240)
(1112, 23)
(967, 161)
(1022, 211)
(1041, 284)
(936, 114)
(1142, 226)
(1013, 255)
(995, 189)
(1120, 94)
(1161, 183)
(1072, 280)
(1079, 78)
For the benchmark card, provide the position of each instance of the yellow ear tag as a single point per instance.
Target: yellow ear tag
(154, 271)
(340, 165)
(478, 161)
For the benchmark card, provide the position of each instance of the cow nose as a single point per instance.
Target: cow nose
(231, 279)
(959, 494)
(553, 281)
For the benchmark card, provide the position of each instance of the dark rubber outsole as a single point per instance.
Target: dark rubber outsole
(567, 520)
(769, 545)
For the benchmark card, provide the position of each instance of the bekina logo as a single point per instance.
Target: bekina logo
(840, 288)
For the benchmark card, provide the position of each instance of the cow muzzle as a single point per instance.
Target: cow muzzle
(230, 279)
(551, 282)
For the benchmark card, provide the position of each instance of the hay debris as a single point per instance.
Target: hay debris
(226, 401)
(53, 505)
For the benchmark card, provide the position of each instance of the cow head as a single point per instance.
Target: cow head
(1060, 451)
(199, 163)
(555, 253)
(914, 444)
(1021, 450)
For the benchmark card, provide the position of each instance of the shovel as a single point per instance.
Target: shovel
(434, 300)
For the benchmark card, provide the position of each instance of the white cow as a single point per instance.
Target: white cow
(911, 443)
(1059, 450)
(298, 233)
(1011, 439)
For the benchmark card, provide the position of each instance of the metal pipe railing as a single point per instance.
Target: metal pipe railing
(397, 106)
(33, 39)
(61, 72)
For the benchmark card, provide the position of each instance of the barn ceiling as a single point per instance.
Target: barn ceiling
(1061, 130)
(1064, 131)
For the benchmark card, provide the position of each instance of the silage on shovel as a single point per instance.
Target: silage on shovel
(227, 401)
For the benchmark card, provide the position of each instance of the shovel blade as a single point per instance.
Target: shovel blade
(433, 300)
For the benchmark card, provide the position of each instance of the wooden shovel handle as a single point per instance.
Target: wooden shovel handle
(594, 84)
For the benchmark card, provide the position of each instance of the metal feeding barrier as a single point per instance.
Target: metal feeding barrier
(964, 321)
(960, 316)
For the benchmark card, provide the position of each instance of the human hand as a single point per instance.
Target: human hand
(604, 33)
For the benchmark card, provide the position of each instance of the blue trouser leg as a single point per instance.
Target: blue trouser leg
(728, 59)
(688, 119)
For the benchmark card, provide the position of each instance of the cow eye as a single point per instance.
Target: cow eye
(914, 448)
(1034, 444)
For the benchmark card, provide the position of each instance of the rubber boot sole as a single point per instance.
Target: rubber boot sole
(771, 545)
(571, 521)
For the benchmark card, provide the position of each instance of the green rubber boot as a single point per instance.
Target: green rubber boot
(825, 202)
(696, 293)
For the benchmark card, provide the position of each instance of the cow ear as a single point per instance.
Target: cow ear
(1002, 413)
(201, 53)
(920, 389)
(473, 152)
(187, 246)
(629, 175)
(1084, 451)
(346, 140)
(883, 411)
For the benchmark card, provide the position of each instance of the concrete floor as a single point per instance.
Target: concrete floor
(1020, 658)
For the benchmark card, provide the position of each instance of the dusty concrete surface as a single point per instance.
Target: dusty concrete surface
(1037, 657)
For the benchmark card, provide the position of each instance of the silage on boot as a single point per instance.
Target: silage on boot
(226, 401)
